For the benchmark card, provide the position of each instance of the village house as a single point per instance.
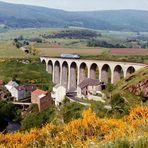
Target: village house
(58, 94)
(10, 87)
(90, 88)
(23, 92)
(42, 99)
(19, 92)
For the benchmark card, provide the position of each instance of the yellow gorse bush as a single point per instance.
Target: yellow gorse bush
(88, 131)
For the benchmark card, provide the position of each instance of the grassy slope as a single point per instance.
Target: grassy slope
(8, 50)
(26, 73)
(129, 81)
(112, 37)
(27, 33)
(133, 79)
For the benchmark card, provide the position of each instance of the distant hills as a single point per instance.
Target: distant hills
(24, 16)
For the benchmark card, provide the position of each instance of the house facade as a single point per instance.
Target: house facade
(58, 94)
(89, 87)
(22, 92)
(11, 87)
(42, 99)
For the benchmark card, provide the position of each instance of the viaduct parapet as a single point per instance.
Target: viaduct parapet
(71, 72)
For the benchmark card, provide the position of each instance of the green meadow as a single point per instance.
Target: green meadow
(25, 74)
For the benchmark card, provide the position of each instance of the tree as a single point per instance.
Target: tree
(8, 111)
(36, 119)
(106, 54)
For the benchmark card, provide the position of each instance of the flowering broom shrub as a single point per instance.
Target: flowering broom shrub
(88, 131)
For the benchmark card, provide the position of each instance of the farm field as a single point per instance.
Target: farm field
(52, 52)
(129, 51)
(91, 51)
(36, 32)
(76, 37)
(57, 41)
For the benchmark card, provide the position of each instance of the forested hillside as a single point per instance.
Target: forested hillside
(23, 16)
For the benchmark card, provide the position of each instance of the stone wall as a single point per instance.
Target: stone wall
(43, 103)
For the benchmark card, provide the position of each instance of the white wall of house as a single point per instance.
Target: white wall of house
(11, 88)
(79, 92)
(90, 89)
(14, 92)
(59, 93)
(19, 94)
(10, 85)
(93, 88)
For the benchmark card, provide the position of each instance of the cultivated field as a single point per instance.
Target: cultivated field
(129, 51)
(91, 51)
(52, 52)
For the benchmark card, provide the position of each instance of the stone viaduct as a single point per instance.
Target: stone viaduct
(71, 72)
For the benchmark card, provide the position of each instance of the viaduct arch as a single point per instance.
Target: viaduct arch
(70, 72)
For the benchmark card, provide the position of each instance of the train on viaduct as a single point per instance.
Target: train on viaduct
(71, 72)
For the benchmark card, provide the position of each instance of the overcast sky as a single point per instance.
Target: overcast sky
(86, 5)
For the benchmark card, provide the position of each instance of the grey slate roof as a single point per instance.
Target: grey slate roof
(90, 82)
(27, 88)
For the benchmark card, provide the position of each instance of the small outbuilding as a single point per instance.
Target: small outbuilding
(42, 99)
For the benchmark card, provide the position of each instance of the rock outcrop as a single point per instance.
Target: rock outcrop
(140, 88)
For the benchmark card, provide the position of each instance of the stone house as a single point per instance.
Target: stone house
(58, 94)
(89, 86)
(42, 99)
(23, 92)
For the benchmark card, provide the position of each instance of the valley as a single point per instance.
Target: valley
(73, 79)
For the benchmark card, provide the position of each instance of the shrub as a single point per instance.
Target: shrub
(120, 107)
(88, 131)
(72, 111)
(36, 119)
(8, 111)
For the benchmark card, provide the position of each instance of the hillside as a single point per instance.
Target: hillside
(88, 131)
(134, 87)
(23, 16)
(18, 69)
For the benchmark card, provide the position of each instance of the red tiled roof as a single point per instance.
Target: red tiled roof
(39, 92)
